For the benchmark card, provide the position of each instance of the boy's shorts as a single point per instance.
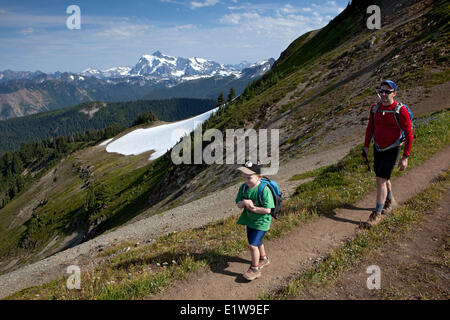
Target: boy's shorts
(384, 162)
(255, 237)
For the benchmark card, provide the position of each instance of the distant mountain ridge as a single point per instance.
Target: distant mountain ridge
(24, 92)
(163, 67)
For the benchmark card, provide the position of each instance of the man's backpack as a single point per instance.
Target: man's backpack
(276, 193)
(396, 113)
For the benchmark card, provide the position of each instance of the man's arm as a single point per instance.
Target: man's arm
(406, 126)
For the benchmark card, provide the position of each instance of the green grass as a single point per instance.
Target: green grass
(136, 273)
(437, 78)
(128, 185)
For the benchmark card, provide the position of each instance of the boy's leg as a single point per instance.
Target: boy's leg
(253, 272)
(254, 252)
(262, 252)
(263, 258)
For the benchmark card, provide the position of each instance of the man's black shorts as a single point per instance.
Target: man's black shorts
(384, 162)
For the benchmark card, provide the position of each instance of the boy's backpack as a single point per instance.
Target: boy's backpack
(276, 193)
(396, 113)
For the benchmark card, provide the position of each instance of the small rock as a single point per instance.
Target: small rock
(174, 262)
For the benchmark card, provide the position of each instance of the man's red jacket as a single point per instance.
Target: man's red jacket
(386, 128)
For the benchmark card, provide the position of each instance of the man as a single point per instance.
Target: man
(385, 127)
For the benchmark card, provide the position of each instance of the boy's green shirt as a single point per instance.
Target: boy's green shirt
(255, 220)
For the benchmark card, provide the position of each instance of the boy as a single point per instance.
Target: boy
(256, 216)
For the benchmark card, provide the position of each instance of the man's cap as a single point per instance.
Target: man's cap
(250, 168)
(389, 83)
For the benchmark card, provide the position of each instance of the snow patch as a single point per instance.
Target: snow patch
(160, 138)
(106, 142)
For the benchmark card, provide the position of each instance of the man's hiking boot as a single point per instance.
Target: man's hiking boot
(389, 205)
(252, 273)
(374, 218)
(264, 262)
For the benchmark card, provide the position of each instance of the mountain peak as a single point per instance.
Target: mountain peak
(164, 67)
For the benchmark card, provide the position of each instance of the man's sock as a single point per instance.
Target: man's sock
(379, 207)
(389, 195)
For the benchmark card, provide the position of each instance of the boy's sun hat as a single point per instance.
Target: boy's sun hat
(389, 83)
(250, 168)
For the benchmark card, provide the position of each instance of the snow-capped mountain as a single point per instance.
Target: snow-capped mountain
(108, 73)
(159, 66)
(155, 76)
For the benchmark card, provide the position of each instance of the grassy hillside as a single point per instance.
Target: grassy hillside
(129, 271)
(317, 94)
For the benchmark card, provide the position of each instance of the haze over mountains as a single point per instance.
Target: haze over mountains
(155, 76)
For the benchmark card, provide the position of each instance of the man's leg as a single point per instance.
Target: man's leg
(389, 189)
(382, 191)
(375, 216)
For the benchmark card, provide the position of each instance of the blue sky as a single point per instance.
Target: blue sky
(34, 35)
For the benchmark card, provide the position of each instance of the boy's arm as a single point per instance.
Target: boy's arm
(240, 205)
(250, 206)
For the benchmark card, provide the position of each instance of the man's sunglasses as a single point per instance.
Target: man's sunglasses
(386, 91)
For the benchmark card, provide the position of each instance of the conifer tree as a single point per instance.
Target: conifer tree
(220, 100)
(231, 95)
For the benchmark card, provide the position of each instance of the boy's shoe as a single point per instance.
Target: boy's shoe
(252, 273)
(374, 218)
(264, 262)
(389, 205)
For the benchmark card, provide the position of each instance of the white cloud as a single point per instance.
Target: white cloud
(124, 30)
(26, 31)
(288, 9)
(204, 3)
(172, 1)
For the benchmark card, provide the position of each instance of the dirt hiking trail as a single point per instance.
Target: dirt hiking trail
(295, 252)
(412, 264)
